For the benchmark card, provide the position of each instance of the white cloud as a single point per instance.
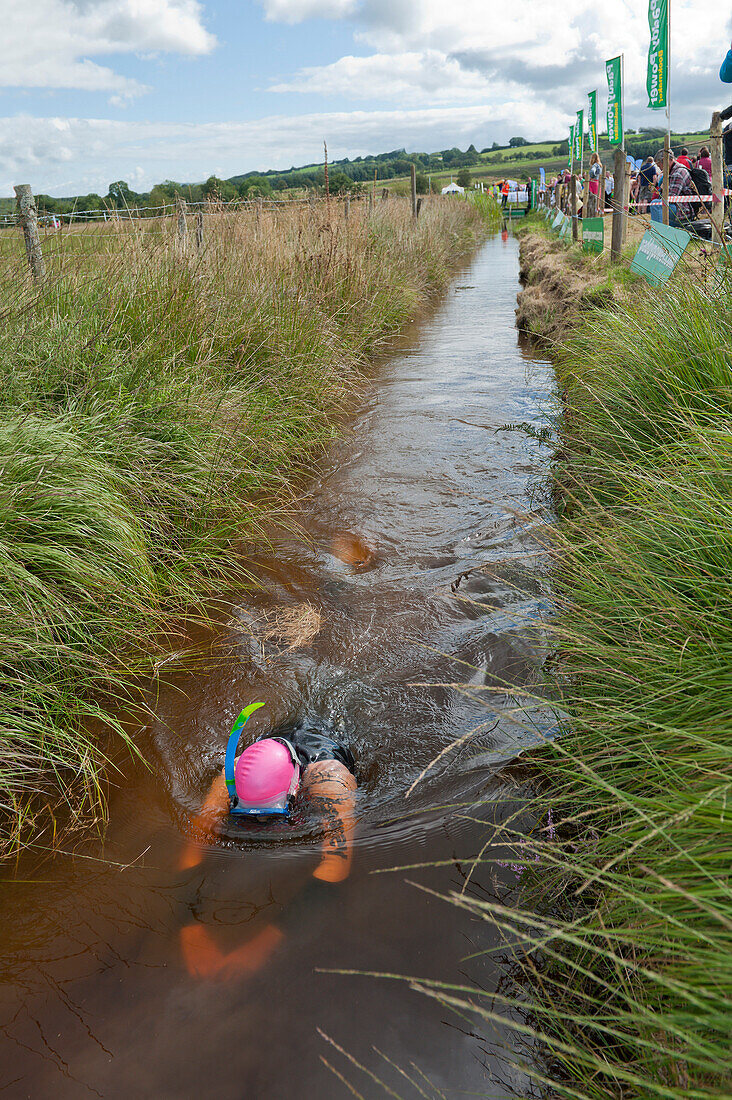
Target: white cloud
(51, 43)
(296, 11)
(413, 77)
(476, 51)
(74, 156)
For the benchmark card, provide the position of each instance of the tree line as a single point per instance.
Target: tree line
(344, 176)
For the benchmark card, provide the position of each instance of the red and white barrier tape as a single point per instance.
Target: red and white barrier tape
(690, 198)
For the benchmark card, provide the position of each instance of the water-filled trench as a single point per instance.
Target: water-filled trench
(95, 997)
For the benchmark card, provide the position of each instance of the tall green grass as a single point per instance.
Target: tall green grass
(628, 977)
(153, 408)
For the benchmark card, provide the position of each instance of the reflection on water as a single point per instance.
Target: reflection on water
(367, 620)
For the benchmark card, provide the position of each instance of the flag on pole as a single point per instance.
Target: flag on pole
(578, 136)
(592, 121)
(614, 69)
(571, 146)
(657, 77)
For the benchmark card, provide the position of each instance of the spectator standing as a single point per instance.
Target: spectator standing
(634, 188)
(609, 188)
(679, 183)
(683, 158)
(705, 161)
(646, 178)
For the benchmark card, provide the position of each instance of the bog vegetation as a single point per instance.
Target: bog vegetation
(629, 980)
(153, 406)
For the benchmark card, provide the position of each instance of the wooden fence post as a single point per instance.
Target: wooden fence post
(664, 185)
(199, 230)
(384, 194)
(414, 192)
(717, 212)
(346, 209)
(420, 200)
(371, 202)
(626, 200)
(586, 197)
(29, 223)
(573, 206)
(181, 207)
(619, 206)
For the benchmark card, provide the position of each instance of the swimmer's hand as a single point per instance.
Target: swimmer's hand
(332, 790)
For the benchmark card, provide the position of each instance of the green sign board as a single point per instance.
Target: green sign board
(614, 70)
(657, 75)
(593, 234)
(659, 252)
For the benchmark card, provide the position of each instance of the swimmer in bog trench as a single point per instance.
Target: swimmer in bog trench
(258, 786)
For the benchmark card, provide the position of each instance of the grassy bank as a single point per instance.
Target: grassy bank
(153, 407)
(633, 983)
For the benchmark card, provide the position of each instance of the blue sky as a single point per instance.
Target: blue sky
(97, 90)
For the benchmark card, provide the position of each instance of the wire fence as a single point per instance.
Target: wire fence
(173, 209)
(709, 263)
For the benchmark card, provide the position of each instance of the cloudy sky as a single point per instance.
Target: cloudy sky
(97, 90)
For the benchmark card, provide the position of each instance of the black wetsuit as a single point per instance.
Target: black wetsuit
(312, 744)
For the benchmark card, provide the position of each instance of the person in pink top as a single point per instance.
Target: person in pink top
(705, 161)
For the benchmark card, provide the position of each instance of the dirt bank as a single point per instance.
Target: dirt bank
(560, 283)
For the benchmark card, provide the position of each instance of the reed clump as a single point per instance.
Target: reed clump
(153, 407)
(634, 985)
(620, 946)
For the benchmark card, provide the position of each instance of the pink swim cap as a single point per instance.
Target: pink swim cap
(266, 774)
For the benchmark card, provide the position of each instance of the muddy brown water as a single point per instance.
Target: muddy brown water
(95, 1000)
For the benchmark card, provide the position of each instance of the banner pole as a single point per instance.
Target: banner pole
(668, 70)
(622, 96)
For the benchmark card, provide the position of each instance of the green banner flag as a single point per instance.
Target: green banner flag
(578, 136)
(592, 121)
(571, 146)
(614, 70)
(657, 78)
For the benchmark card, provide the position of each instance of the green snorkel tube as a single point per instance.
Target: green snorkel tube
(232, 747)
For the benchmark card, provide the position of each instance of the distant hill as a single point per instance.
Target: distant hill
(520, 158)
(362, 169)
